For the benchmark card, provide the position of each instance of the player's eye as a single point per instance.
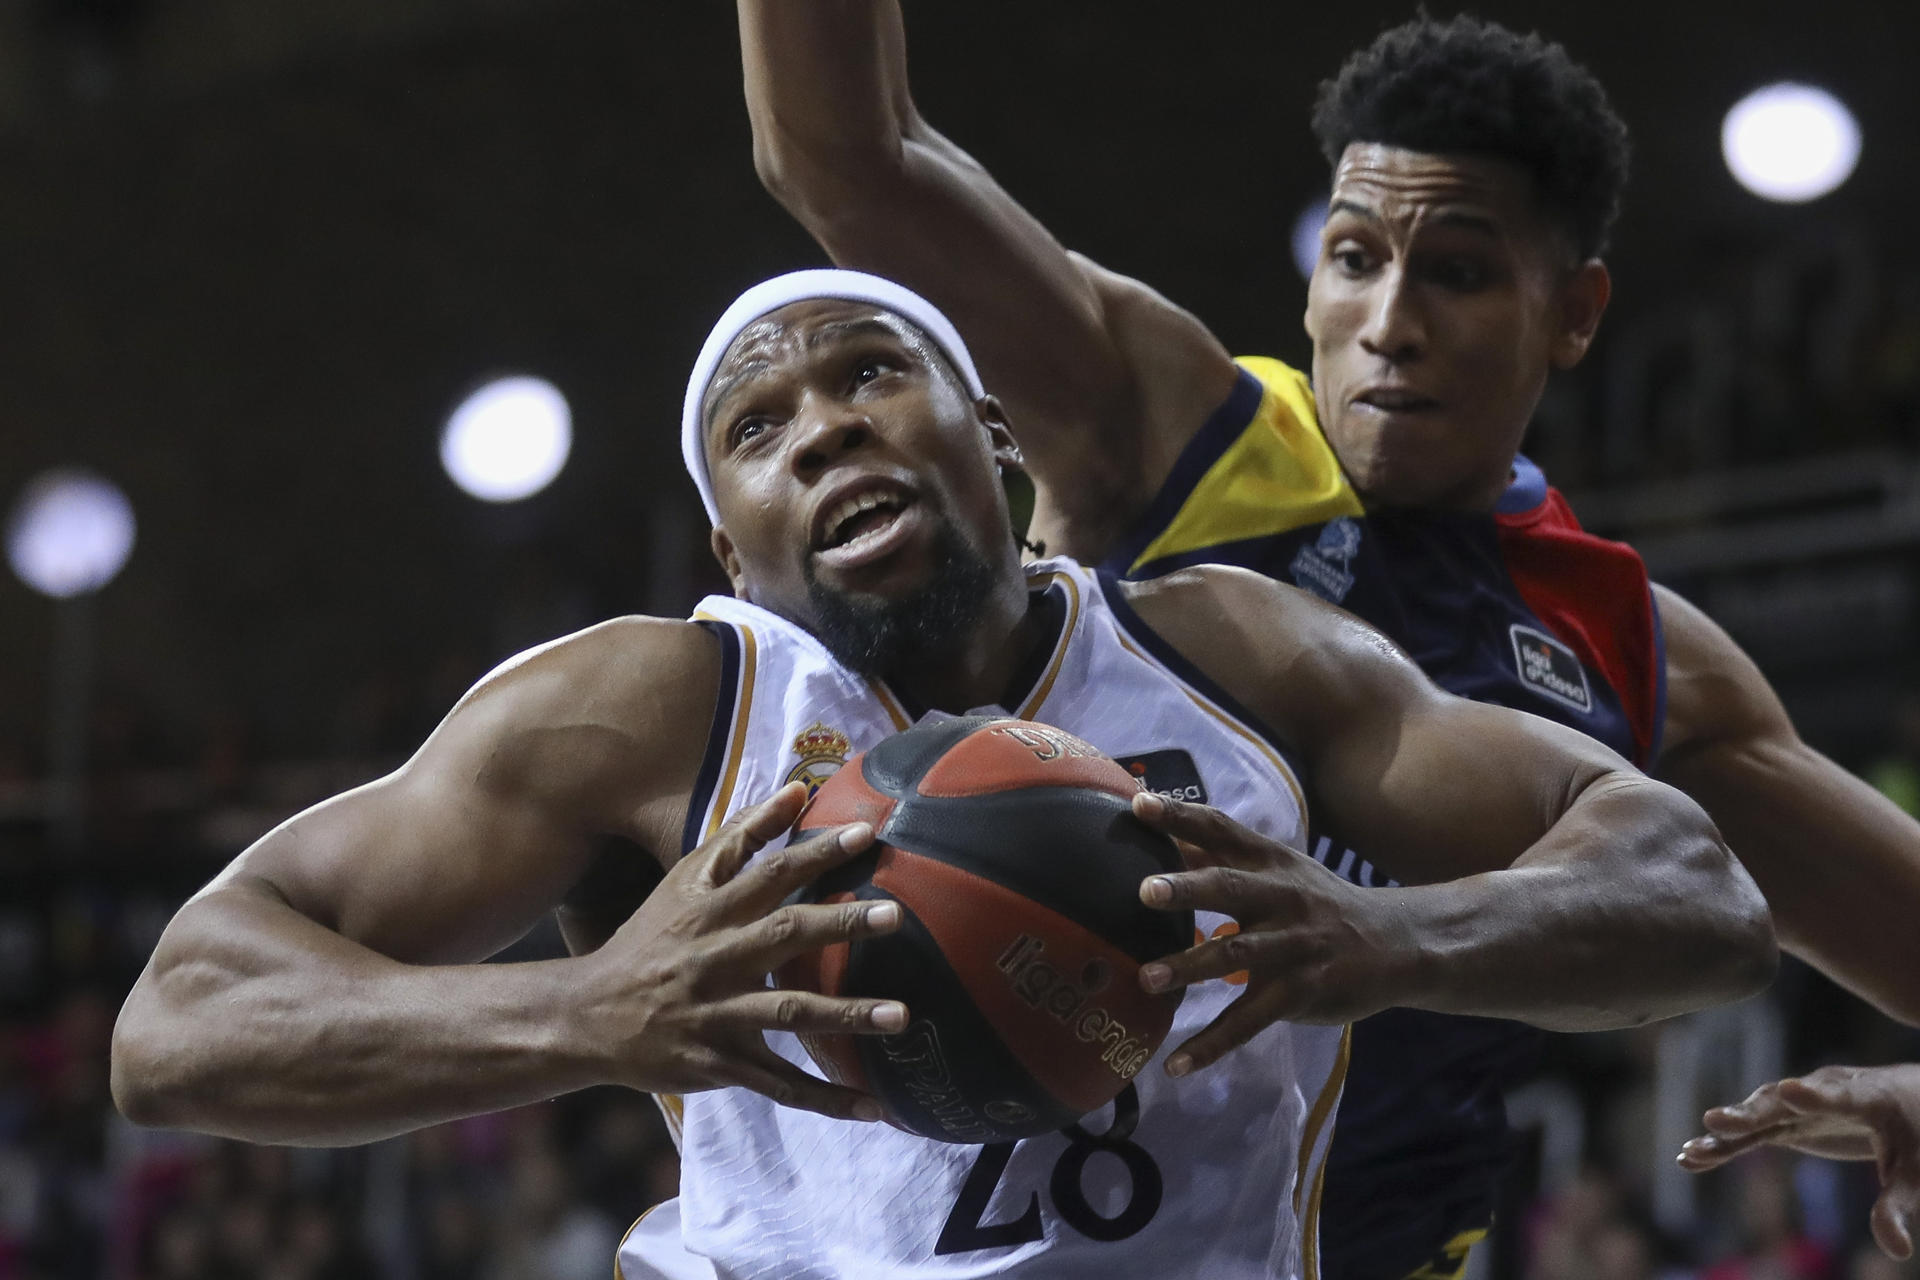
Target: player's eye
(748, 429)
(869, 369)
(1351, 259)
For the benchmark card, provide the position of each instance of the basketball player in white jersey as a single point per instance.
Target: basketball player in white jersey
(322, 990)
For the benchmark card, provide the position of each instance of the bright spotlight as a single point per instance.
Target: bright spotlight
(1790, 142)
(508, 440)
(1306, 235)
(70, 533)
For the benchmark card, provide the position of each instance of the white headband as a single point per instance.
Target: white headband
(804, 286)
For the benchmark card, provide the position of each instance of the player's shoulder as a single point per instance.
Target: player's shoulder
(1237, 614)
(1203, 586)
(1272, 645)
(1199, 594)
(620, 690)
(618, 659)
(1258, 470)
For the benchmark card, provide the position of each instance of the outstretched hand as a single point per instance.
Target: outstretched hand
(1842, 1113)
(681, 988)
(1314, 948)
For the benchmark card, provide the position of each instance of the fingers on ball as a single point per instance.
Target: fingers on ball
(1214, 958)
(801, 927)
(764, 821)
(789, 1086)
(745, 835)
(1240, 1022)
(806, 1011)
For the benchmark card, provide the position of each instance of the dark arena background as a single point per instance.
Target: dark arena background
(253, 253)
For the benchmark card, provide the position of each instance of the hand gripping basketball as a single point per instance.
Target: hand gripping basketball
(680, 992)
(1314, 947)
(1010, 851)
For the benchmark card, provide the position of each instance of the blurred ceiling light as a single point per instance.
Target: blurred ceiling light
(508, 440)
(1306, 236)
(70, 532)
(1790, 142)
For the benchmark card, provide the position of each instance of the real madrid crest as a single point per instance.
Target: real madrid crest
(822, 750)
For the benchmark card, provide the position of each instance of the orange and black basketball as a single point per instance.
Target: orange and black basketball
(1016, 860)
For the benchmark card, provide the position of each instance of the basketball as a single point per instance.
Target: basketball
(1016, 860)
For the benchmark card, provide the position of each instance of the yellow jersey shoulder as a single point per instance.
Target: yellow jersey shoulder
(1258, 468)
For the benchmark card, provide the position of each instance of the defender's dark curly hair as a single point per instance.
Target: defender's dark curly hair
(1471, 86)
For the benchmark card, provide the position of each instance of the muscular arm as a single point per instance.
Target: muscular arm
(1547, 881)
(321, 989)
(1107, 379)
(1839, 863)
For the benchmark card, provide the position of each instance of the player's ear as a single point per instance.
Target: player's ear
(1011, 466)
(1000, 442)
(723, 551)
(1581, 301)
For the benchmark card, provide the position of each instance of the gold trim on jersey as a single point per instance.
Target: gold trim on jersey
(673, 1108)
(1322, 1111)
(1310, 1230)
(1031, 706)
(742, 708)
(618, 1274)
(890, 702)
(891, 705)
(1266, 748)
(1277, 474)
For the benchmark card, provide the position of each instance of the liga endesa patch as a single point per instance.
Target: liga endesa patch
(1549, 668)
(1170, 773)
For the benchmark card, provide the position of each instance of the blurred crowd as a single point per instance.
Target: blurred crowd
(1782, 1219)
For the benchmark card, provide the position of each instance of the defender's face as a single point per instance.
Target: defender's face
(839, 446)
(1441, 299)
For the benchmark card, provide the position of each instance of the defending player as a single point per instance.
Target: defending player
(1476, 176)
(317, 991)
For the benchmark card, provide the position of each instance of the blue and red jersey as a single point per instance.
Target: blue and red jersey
(1519, 607)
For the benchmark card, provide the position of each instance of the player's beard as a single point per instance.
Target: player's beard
(879, 637)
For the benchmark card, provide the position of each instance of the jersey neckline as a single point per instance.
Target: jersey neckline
(1046, 589)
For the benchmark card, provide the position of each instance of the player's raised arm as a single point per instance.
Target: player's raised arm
(321, 989)
(1549, 882)
(1107, 379)
(1839, 862)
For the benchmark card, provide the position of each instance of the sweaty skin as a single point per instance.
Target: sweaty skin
(318, 991)
(1441, 300)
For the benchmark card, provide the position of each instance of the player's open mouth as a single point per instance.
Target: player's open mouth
(866, 525)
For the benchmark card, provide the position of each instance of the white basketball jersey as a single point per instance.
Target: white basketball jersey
(1215, 1175)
